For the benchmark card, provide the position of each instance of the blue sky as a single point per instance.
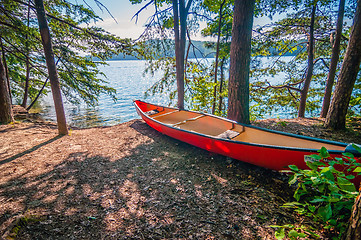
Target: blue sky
(123, 11)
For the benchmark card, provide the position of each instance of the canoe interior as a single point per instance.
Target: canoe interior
(215, 127)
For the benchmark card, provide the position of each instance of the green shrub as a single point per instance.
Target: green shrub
(324, 192)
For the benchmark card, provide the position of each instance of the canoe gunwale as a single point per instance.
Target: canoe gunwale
(173, 126)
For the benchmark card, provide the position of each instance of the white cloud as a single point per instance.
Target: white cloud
(122, 28)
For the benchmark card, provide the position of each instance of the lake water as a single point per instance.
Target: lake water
(127, 78)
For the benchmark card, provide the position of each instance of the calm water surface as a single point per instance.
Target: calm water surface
(128, 79)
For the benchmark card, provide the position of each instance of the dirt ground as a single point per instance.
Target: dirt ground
(130, 182)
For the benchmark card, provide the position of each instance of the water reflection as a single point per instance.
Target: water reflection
(89, 118)
(128, 79)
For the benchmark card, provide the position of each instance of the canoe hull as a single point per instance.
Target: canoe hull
(264, 156)
(276, 159)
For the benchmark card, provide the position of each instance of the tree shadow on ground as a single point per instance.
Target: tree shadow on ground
(162, 189)
(9, 159)
(10, 127)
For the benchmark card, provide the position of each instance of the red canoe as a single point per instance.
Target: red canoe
(263, 147)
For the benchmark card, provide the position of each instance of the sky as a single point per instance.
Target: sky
(125, 26)
(122, 11)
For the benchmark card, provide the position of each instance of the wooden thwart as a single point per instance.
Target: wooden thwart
(167, 113)
(187, 120)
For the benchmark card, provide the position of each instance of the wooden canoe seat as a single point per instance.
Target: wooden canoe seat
(229, 134)
(187, 120)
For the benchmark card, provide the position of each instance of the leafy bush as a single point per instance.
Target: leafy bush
(324, 192)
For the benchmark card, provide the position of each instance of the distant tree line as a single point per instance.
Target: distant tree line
(202, 52)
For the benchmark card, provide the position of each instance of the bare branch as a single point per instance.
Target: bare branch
(201, 15)
(24, 59)
(12, 19)
(140, 10)
(291, 93)
(322, 60)
(101, 6)
(86, 3)
(287, 86)
(9, 25)
(186, 61)
(18, 51)
(284, 49)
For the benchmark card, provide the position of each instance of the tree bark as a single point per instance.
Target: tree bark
(27, 78)
(310, 49)
(6, 114)
(180, 12)
(336, 116)
(26, 87)
(50, 62)
(6, 68)
(220, 103)
(334, 60)
(354, 228)
(217, 56)
(240, 58)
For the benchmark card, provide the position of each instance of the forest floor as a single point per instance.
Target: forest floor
(130, 182)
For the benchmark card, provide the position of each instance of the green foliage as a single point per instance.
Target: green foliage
(288, 37)
(282, 123)
(201, 85)
(275, 83)
(21, 223)
(199, 73)
(198, 85)
(167, 82)
(75, 47)
(294, 232)
(324, 191)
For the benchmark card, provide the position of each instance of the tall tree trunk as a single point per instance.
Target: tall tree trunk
(26, 87)
(334, 60)
(336, 116)
(50, 62)
(238, 87)
(217, 56)
(6, 114)
(27, 78)
(354, 228)
(180, 12)
(310, 49)
(220, 103)
(178, 56)
(6, 68)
